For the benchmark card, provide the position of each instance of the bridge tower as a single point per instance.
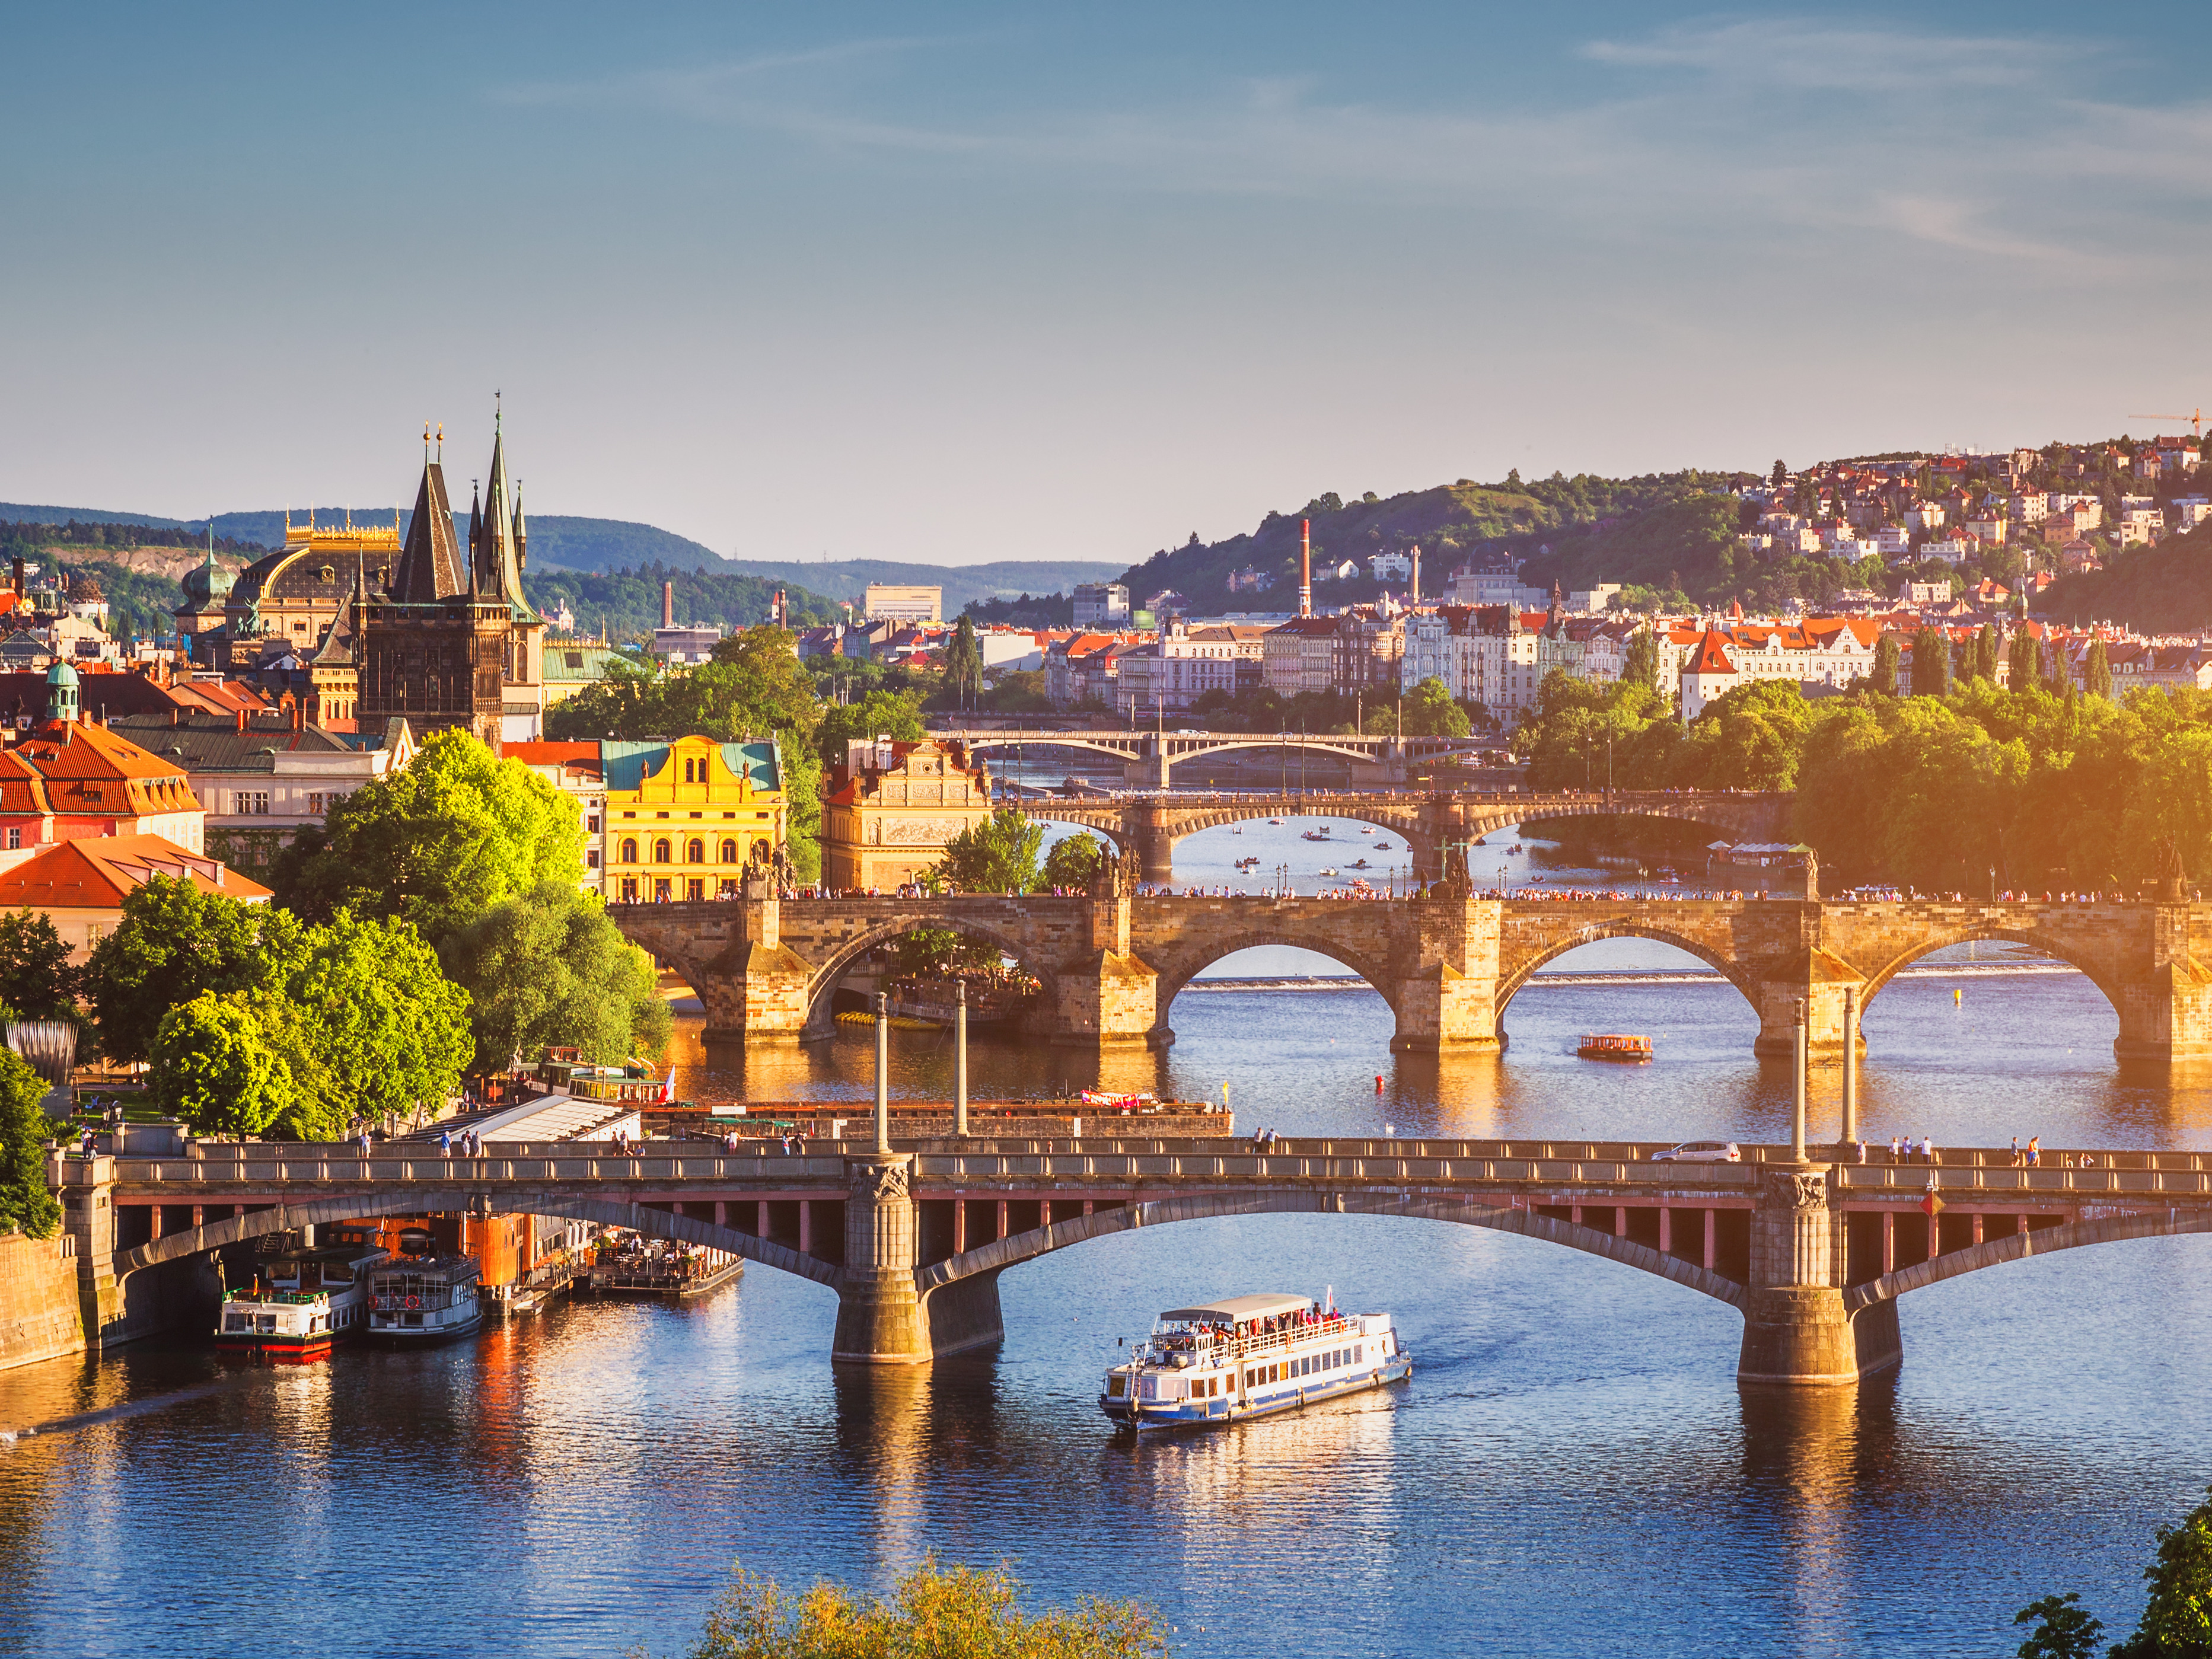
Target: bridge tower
(1796, 1331)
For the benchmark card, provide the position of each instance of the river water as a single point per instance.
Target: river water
(1571, 1470)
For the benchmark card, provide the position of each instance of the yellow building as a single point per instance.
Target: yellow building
(888, 812)
(684, 820)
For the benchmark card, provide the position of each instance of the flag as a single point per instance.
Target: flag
(1932, 1205)
(668, 1088)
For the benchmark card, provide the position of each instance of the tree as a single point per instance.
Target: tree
(997, 856)
(175, 941)
(1431, 711)
(964, 662)
(2021, 661)
(25, 1204)
(950, 1612)
(457, 832)
(1931, 662)
(1072, 861)
(548, 968)
(2097, 671)
(1887, 659)
(937, 952)
(878, 714)
(2176, 1622)
(2063, 1629)
(1985, 652)
(37, 981)
(214, 1069)
(1640, 663)
(389, 1028)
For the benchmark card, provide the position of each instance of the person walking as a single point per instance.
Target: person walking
(2035, 1152)
(2015, 1151)
(444, 1142)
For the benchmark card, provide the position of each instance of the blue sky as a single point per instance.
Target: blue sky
(965, 282)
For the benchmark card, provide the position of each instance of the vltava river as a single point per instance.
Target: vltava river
(1571, 1469)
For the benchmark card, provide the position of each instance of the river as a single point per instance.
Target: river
(1571, 1470)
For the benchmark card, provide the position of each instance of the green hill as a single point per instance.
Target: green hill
(2167, 589)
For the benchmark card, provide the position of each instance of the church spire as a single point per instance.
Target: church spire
(521, 536)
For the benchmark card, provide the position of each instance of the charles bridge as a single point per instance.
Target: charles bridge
(1111, 963)
(1149, 757)
(1813, 1253)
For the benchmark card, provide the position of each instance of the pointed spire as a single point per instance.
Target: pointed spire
(429, 566)
(521, 536)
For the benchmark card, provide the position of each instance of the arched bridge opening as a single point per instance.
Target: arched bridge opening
(823, 986)
(1514, 979)
(1177, 969)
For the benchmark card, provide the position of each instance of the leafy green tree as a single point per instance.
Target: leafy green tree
(2097, 671)
(1887, 659)
(390, 1029)
(215, 1069)
(26, 1203)
(37, 981)
(2063, 1629)
(1640, 663)
(935, 952)
(1072, 861)
(2021, 661)
(964, 662)
(878, 714)
(950, 1613)
(1931, 662)
(2176, 1622)
(457, 832)
(997, 856)
(175, 940)
(1431, 711)
(548, 968)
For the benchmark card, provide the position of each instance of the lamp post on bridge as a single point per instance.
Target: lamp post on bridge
(1797, 1113)
(960, 1061)
(882, 1073)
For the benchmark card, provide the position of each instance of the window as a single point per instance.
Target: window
(252, 803)
(729, 887)
(660, 852)
(729, 851)
(317, 804)
(695, 888)
(629, 889)
(695, 851)
(592, 823)
(628, 851)
(591, 859)
(14, 838)
(660, 889)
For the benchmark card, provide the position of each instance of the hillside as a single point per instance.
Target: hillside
(2167, 589)
(962, 584)
(627, 603)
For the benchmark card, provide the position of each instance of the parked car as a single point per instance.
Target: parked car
(1700, 1152)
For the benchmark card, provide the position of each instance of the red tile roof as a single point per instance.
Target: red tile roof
(98, 875)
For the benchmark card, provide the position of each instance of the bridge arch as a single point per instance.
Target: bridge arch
(1487, 819)
(995, 1258)
(1511, 981)
(1970, 934)
(2021, 1247)
(831, 974)
(657, 1224)
(1179, 967)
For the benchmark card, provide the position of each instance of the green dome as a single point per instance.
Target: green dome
(61, 673)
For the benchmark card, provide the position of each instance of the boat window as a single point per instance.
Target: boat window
(1117, 1386)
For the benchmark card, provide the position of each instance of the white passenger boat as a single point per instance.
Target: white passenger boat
(300, 1301)
(1220, 1361)
(418, 1299)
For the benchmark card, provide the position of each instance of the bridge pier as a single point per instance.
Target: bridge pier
(882, 1319)
(1796, 1331)
(1817, 978)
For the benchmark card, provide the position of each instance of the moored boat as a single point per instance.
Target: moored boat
(1620, 1049)
(1250, 1356)
(302, 1300)
(418, 1299)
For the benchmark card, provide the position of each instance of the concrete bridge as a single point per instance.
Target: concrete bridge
(1447, 964)
(1814, 1254)
(1433, 825)
(1148, 758)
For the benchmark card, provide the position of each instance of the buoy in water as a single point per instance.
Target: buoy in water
(1958, 995)
(1378, 1083)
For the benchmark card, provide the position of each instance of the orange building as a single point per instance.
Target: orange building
(80, 885)
(72, 780)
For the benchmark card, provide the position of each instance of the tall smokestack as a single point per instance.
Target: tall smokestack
(1305, 567)
(1413, 589)
(668, 605)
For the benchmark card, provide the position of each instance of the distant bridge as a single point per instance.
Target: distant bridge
(1149, 758)
(1814, 1256)
(1434, 826)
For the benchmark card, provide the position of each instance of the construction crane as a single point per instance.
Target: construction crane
(2195, 417)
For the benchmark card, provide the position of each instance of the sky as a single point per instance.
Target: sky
(962, 282)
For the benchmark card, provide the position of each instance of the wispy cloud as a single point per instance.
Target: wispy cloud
(1984, 146)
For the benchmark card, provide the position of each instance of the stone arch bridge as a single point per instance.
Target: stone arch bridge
(1447, 964)
(1433, 826)
(1149, 758)
(1814, 1255)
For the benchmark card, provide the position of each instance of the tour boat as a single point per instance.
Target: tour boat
(1382, 847)
(1220, 1361)
(301, 1301)
(1314, 834)
(1274, 820)
(1628, 1050)
(1359, 864)
(1325, 869)
(1366, 829)
(423, 1297)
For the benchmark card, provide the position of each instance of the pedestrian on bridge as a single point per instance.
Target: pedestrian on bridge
(2035, 1152)
(444, 1142)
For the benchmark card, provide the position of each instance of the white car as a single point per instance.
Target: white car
(1700, 1152)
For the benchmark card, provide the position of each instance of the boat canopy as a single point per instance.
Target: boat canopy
(1237, 1310)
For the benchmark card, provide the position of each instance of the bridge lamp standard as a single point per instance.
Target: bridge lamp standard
(1797, 1113)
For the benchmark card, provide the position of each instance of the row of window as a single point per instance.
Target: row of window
(664, 889)
(695, 851)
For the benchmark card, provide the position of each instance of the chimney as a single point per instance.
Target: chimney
(1305, 567)
(15, 571)
(1413, 589)
(241, 719)
(668, 605)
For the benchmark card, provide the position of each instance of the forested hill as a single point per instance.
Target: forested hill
(1554, 522)
(627, 603)
(2167, 589)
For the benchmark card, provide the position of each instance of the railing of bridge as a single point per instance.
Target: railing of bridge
(1126, 1161)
